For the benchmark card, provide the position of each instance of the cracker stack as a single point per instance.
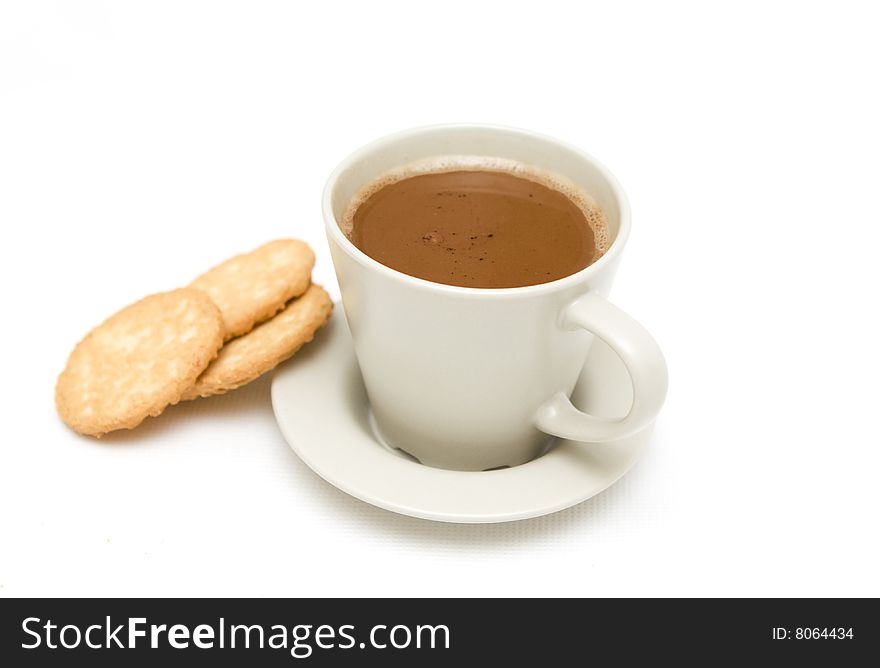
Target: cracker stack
(228, 327)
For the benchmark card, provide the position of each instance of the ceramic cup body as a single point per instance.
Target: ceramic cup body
(460, 378)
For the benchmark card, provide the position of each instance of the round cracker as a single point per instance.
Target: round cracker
(252, 287)
(138, 361)
(248, 357)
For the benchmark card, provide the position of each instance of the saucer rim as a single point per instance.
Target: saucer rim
(460, 518)
(282, 411)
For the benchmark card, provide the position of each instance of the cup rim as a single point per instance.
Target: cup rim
(335, 231)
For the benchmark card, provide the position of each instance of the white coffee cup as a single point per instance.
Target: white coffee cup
(476, 378)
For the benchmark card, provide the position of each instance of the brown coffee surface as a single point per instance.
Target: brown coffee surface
(474, 228)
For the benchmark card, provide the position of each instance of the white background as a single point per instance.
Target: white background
(140, 143)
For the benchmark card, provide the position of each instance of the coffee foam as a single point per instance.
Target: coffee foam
(456, 163)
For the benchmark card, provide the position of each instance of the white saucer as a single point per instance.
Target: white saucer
(321, 407)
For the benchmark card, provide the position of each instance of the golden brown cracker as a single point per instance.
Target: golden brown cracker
(138, 361)
(248, 357)
(252, 287)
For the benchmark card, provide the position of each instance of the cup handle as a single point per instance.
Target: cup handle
(643, 360)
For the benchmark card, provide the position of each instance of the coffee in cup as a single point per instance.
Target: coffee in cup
(477, 222)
